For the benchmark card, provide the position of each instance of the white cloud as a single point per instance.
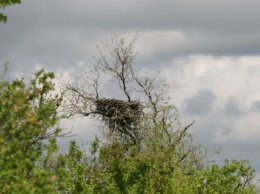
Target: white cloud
(83, 130)
(226, 77)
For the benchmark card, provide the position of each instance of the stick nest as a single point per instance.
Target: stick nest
(119, 114)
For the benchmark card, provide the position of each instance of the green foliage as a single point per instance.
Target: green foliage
(5, 3)
(233, 177)
(74, 180)
(28, 124)
(121, 168)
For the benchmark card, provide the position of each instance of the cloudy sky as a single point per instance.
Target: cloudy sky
(209, 52)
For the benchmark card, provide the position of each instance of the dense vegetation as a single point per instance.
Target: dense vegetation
(148, 153)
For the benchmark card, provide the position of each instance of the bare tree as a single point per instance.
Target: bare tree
(141, 115)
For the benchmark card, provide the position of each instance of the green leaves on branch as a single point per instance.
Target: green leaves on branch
(120, 168)
(5, 3)
(28, 131)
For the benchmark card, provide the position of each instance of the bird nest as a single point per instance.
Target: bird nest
(119, 114)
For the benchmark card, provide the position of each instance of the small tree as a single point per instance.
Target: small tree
(28, 130)
(142, 116)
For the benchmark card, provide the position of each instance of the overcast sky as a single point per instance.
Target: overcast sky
(209, 52)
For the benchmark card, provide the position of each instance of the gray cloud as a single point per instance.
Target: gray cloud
(201, 103)
(232, 107)
(256, 106)
(219, 16)
(57, 29)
